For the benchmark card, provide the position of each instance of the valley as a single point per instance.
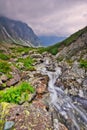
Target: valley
(44, 88)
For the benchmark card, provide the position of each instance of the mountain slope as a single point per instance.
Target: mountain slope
(78, 37)
(12, 31)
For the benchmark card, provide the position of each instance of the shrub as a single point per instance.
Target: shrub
(14, 94)
(83, 63)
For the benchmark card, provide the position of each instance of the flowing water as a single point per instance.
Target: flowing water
(74, 116)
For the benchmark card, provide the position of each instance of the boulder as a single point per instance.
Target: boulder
(8, 125)
(1, 82)
(37, 56)
(62, 127)
(4, 78)
(16, 78)
(25, 75)
(40, 83)
(41, 88)
(84, 84)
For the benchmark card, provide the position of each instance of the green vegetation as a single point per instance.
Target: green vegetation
(17, 93)
(4, 67)
(4, 111)
(4, 56)
(27, 62)
(50, 49)
(20, 49)
(83, 63)
(1, 51)
(54, 49)
(69, 61)
(59, 59)
(41, 50)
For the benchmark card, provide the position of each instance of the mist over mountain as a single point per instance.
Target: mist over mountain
(12, 31)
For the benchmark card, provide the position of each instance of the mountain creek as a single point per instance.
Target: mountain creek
(58, 103)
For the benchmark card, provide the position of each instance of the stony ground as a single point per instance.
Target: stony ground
(36, 114)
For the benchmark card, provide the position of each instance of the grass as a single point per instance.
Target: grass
(4, 56)
(83, 63)
(1, 51)
(41, 50)
(20, 49)
(4, 67)
(55, 48)
(27, 62)
(17, 93)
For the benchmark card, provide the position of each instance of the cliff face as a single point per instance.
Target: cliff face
(12, 31)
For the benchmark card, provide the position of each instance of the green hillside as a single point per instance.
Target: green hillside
(54, 49)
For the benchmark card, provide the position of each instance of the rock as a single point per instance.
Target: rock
(81, 93)
(30, 116)
(9, 125)
(1, 82)
(59, 84)
(37, 56)
(79, 80)
(24, 54)
(15, 69)
(40, 83)
(72, 77)
(25, 75)
(30, 74)
(20, 65)
(13, 59)
(4, 78)
(37, 75)
(13, 81)
(64, 65)
(62, 127)
(50, 67)
(41, 88)
(78, 72)
(73, 91)
(84, 84)
(45, 54)
(31, 52)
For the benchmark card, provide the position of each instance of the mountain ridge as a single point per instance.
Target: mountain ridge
(18, 32)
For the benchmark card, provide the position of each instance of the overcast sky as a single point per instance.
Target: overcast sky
(48, 17)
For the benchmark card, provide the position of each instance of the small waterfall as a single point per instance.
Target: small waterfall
(74, 116)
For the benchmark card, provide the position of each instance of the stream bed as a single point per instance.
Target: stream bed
(68, 111)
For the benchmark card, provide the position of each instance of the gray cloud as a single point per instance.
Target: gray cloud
(48, 17)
